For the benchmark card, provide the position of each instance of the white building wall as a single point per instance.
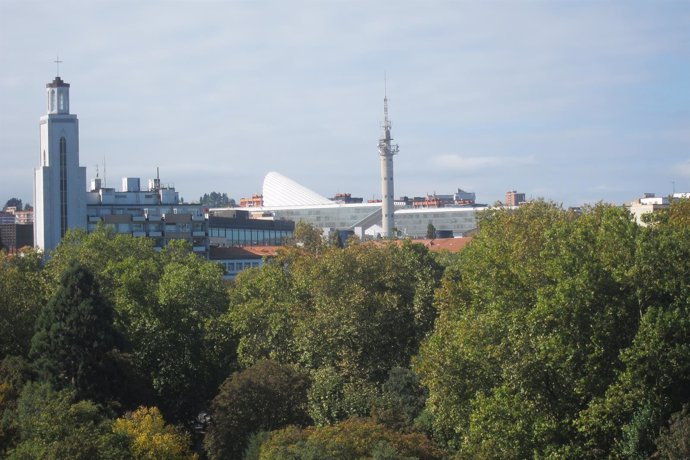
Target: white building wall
(47, 193)
(410, 222)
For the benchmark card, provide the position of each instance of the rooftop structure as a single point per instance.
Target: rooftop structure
(346, 198)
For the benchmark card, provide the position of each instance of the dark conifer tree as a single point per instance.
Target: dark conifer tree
(430, 231)
(75, 337)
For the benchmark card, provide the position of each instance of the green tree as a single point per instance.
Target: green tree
(54, 425)
(494, 279)
(23, 292)
(216, 200)
(101, 251)
(673, 442)
(361, 310)
(366, 308)
(75, 335)
(264, 314)
(180, 337)
(16, 202)
(348, 315)
(266, 396)
(309, 238)
(15, 372)
(171, 308)
(333, 397)
(402, 399)
(533, 318)
(654, 381)
(430, 231)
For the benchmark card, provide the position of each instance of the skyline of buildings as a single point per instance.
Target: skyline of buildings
(62, 201)
(572, 101)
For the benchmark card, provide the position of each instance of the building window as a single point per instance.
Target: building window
(63, 186)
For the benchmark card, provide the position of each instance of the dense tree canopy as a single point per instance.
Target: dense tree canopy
(14, 202)
(351, 439)
(362, 309)
(23, 291)
(553, 334)
(561, 334)
(216, 200)
(170, 307)
(56, 425)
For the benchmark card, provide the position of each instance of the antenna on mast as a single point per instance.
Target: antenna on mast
(386, 152)
(385, 85)
(386, 123)
(105, 179)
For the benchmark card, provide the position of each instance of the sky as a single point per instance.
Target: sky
(572, 101)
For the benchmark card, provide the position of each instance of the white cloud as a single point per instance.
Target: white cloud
(682, 169)
(297, 87)
(459, 163)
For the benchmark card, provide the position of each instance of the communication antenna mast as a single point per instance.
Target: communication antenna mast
(386, 152)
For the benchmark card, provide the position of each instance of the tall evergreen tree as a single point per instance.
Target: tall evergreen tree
(430, 231)
(75, 335)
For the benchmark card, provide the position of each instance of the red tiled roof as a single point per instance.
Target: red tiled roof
(438, 244)
(448, 244)
(258, 252)
(245, 252)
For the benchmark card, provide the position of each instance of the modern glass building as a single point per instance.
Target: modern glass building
(240, 230)
(284, 199)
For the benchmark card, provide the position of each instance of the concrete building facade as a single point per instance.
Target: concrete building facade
(514, 198)
(59, 181)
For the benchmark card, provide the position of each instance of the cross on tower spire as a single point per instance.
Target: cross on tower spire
(58, 62)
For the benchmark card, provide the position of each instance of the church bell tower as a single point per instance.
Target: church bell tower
(59, 181)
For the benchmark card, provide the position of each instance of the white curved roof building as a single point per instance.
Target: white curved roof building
(280, 191)
(285, 199)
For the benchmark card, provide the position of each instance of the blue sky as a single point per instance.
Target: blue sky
(575, 101)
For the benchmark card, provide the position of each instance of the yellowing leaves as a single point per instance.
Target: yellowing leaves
(152, 438)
